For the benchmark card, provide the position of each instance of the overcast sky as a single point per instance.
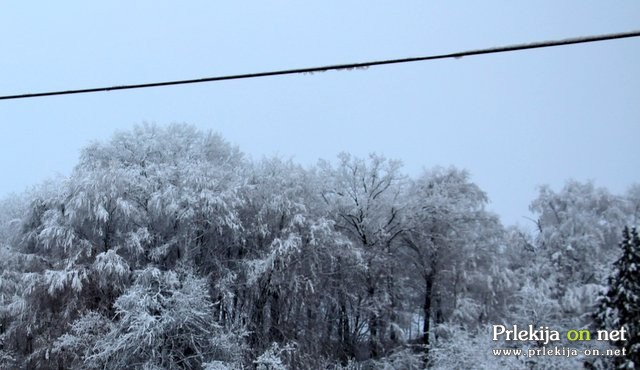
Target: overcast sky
(515, 120)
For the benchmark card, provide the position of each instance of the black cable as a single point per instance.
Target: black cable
(503, 49)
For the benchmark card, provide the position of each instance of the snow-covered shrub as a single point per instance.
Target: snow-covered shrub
(403, 359)
(272, 358)
(79, 342)
(163, 321)
(458, 348)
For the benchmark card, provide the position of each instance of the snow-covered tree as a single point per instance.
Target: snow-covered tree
(620, 306)
(149, 196)
(364, 200)
(575, 223)
(162, 321)
(291, 284)
(453, 244)
(166, 248)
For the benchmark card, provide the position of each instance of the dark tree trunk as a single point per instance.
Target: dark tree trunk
(426, 325)
(275, 329)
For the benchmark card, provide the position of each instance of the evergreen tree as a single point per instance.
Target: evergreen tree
(620, 307)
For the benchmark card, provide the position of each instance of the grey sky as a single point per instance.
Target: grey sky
(515, 120)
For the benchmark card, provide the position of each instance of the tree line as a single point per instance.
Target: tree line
(166, 248)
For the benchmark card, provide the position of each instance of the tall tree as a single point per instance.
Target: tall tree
(453, 244)
(573, 224)
(146, 197)
(364, 199)
(620, 305)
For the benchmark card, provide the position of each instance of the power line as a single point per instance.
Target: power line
(350, 66)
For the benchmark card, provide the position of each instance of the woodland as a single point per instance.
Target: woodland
(167, 248)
